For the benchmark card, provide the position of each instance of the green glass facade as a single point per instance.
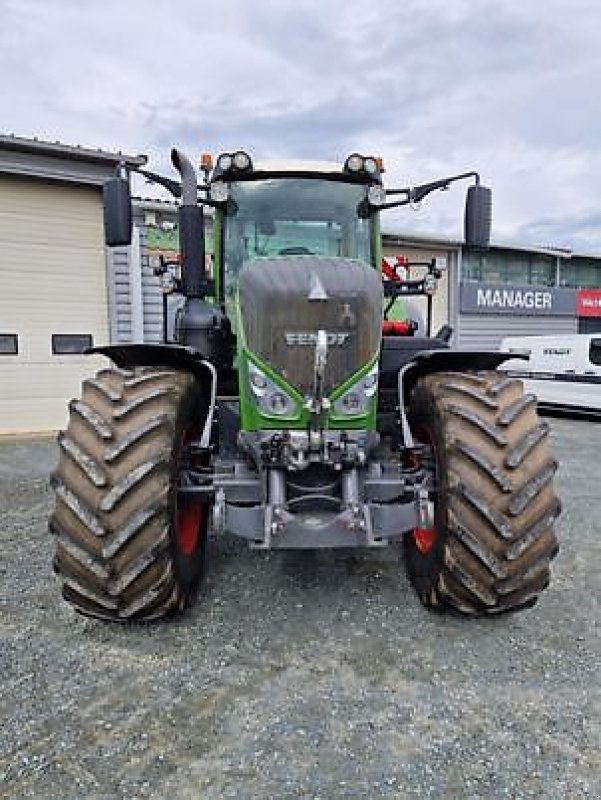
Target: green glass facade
(580, 272)
(499, 266)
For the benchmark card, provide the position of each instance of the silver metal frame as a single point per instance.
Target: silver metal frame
(378, 504)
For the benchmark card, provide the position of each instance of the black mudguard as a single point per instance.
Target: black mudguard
(427, 363)
(127, 356)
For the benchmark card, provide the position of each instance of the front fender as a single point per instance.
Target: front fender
(431, 361)
(175, 356)
(128, 356)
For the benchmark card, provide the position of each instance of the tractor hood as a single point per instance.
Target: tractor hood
(285, 302)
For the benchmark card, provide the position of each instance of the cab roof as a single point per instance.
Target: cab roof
(296, 166)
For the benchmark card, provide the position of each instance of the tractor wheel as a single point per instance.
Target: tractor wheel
(493, 539)
(124, 549)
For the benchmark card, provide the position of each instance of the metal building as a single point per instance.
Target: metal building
(53, 276)
(508, 290)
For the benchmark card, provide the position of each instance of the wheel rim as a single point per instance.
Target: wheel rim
(425, 538)
(190, 518)
(188, 528)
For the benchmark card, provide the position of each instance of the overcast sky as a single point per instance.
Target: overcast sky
(511, 88)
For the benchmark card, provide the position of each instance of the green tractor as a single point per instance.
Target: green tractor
(282, 414)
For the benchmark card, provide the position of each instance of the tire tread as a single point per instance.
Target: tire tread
(111, 518)
(496, 494)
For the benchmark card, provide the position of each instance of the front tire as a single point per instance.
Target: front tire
(124, 549)
(493, 539)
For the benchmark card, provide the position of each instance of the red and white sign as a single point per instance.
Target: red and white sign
(588, 303)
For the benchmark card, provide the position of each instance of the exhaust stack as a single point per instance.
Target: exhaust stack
(191, 229)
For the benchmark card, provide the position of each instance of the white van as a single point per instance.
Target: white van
(563, 371)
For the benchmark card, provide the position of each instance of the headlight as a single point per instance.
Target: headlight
(224, 162)
(219, 192)
(356, 398)
(278, 403)
(354, 163)
(350, 403)
(241, 160)
(370, 165)
(376, 195)
(271, 399)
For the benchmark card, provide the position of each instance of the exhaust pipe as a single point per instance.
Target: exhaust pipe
(183, 165)
(191, 228)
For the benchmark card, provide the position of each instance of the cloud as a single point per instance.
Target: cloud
(435, 87)
(580, 233)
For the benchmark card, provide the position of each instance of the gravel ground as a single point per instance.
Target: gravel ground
(313, 678)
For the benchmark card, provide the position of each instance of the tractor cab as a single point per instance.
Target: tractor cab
(296, 251)
(279, 210)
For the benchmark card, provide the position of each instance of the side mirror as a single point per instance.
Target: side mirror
(478, 216)
(117, 212)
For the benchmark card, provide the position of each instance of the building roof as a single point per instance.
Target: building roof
(34, 158)
(449, 242)
(77, 152)
(421, 239)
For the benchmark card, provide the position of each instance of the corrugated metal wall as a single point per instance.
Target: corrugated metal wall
(119, 295)
(485, 331)
(122, 275)
(152, 296)
(589, 325)
(135, 296)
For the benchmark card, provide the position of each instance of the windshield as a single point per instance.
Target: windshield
(294, 217)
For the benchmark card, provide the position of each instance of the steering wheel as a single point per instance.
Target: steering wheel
(296, 251)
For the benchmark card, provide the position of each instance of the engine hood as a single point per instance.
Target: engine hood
(284, 302)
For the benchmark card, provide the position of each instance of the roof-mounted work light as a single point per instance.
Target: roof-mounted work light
(357, 164)
(237, 162)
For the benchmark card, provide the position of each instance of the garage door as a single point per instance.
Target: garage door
(53, 299)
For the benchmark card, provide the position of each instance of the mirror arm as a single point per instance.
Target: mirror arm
(174, 187)
(419, 192)
(416, 193)
(394, 204)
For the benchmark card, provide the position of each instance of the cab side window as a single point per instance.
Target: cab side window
(595, 352)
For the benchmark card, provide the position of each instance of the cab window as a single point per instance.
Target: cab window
(283, 217)
(595, 352)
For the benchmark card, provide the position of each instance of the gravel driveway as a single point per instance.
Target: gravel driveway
(319, 677)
